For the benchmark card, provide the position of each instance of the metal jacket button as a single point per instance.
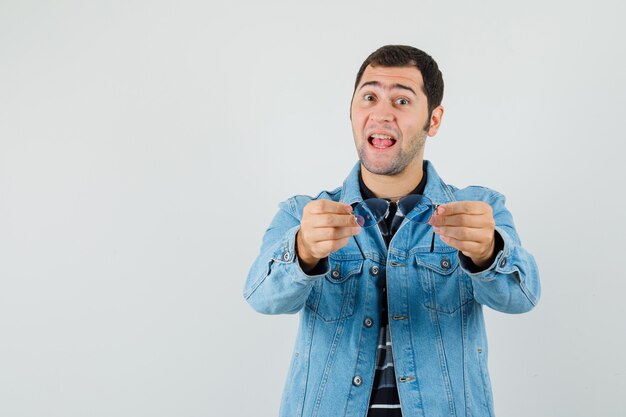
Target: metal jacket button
(502, 262)
(445, 264)
(374, 270)
(368, 322)
(335, 274)
(357, 381)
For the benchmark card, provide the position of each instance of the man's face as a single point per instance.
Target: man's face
(390, 118)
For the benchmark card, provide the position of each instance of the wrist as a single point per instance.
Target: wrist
(485, 260)
(307, 261)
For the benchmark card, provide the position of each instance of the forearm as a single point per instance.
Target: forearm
(511, 283)
(276, 282)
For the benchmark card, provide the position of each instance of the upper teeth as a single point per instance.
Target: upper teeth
(380, 136)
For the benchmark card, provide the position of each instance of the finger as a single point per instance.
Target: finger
(467, 234)
(466, 220)
(332, 220)
(324, 234)
(462, 245)
(463, 207)
(327, 206)
(334, 245)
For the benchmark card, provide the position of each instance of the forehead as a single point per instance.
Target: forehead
(409, 76)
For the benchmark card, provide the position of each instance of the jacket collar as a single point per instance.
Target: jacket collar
(435, 189)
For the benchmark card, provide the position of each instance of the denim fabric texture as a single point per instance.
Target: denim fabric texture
(435, 306)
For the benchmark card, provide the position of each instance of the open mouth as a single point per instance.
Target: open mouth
(381, 141)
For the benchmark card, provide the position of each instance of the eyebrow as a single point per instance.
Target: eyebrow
(397, 85)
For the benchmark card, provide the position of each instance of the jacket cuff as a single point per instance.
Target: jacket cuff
(501, 251)
(287, 254)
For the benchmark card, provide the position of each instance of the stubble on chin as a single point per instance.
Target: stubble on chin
(398, 163)
(390, 168)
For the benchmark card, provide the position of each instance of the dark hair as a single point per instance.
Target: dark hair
(402, 55)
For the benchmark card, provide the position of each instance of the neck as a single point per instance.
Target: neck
(394, 186)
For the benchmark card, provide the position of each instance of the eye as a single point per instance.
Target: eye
(402, 101)
(368, 97)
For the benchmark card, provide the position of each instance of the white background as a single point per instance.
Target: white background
(145, 145)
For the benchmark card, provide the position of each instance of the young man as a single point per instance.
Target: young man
(390, 271)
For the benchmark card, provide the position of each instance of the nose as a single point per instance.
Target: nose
(382, 113)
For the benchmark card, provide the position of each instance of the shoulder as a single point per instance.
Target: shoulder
(476, 193)
(295, 205)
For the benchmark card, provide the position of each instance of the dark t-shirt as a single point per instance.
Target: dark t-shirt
(384, 400)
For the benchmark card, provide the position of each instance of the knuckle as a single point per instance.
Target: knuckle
(330, 246)
(309, 208)
(338, 244)
(327, 219)
(321, 250)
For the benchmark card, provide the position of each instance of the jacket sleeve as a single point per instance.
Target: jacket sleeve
(511, 283)
(276, 283)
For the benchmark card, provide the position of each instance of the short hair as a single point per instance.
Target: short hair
(403, 55)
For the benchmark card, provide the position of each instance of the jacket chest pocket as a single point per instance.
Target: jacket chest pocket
(446, 287)
(332, 298)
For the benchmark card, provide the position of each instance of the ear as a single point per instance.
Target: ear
(435, 120)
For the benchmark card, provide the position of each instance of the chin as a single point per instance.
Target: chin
(383, 169)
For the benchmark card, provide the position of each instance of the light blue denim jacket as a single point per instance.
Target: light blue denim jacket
(434, 306)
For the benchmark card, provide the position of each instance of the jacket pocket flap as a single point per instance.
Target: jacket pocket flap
(341, 270)
(444, 263)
